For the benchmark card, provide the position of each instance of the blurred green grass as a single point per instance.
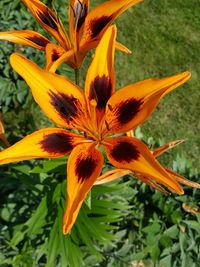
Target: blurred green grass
(164, 37)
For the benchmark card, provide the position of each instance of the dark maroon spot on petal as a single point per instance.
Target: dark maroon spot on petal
(125, 111)
(80, 13)
(97, 25)
(39, 40)
(84, 168)
(65, 105)
(125, 151)
(57, 143)
(55, 55)
(100, 90)
(48, 18)
(80, 22)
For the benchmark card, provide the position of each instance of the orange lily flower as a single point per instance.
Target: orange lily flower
(85, 30)
(118, 173)
(97, 115)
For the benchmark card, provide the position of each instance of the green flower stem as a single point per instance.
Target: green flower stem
(76, 72)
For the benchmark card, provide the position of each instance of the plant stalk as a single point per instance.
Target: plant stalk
(77, 77)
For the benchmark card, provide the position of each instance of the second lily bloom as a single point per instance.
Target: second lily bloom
(85, 30)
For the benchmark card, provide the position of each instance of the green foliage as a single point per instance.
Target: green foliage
(32, 224)
(120, 227)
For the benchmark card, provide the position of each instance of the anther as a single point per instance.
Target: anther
(110, 107)
(107, 126)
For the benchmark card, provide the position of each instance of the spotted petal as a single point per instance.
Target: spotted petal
(68, 57)
(61, 100)
(130, 153)
(45, 143)
(83, 168)
(98, 19)
(48, 21)
(53, 53)
(26, 37)
(100, 81)
(132, 105)
(118, 173)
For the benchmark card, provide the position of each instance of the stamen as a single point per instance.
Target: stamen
(81, 122)
(93, 115)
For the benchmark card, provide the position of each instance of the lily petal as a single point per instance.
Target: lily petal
(151, 183)
(61, 100)
(132, 105)
(83, 168)
(162, 149)
(112, 175)
(182, 179)
(98, 19)
(53, 52)
(26, 37)
(69, 57)
(118, 173)
(122, 48)
(130, 153)
(48, 20)
(78, 11)
(100, 80)
(45, 143)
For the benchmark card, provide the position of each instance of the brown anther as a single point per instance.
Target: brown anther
(107, 126)
(110, 107)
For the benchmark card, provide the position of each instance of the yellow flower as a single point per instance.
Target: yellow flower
(97, 114)
(85, 30)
